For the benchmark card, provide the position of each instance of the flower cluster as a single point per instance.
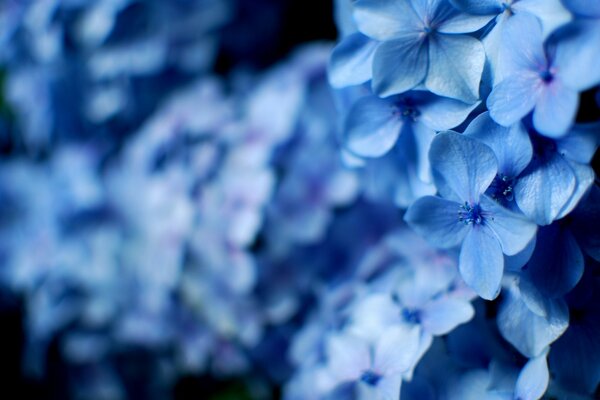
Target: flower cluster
(410, 214)
(463, 113)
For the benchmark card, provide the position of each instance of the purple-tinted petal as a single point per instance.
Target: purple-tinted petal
(511, 145)
(399, 65)
(555, 109)
(464, 165)
(455, 67)
(372, 127)
(443, 315)
(386, 19)
(533, 379)
(351, 61)
(480, 263)
(581, 143)
(544, 188)
(518, 56)
(436, 219)
(514, 98)
(513, 230)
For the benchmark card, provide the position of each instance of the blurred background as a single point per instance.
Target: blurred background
(91, 73)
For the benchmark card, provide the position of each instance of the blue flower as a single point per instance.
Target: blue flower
(463, 169)
(532, 79)
(422, 44)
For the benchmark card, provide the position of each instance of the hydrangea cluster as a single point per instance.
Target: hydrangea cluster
(410, 214)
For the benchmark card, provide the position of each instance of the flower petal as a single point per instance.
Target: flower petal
(397, 349)
(372, 127)
(399, 65)
(555, 109)
(442, 113)
(551, 13)
(481, 263)
(455, 67)
(351, 61)
(533, 379)
(577, 54)
(386, 19)
(348, 356)
(513, 230)
(478, 7)
(544, 188)
(462, 164)
(443, 315)
(511, 145)
(436, 219)
(514, 98)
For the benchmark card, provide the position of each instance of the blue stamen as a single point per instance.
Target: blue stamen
(370, 378)
(470, 214)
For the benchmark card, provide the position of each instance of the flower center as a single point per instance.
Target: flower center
(370, 378)
(470, 214)
(411, 315)
(501, 189)
(547, 75)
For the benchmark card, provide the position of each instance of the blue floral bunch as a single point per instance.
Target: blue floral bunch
(464, 114)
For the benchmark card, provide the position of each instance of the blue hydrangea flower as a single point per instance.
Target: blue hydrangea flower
(422, 43)
(463, 169)
(377, 368)
(532, 79)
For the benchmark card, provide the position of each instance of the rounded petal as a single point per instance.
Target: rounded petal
(443, 315)
(577, 54)
(514, 98)
(455, 67)
(351, 61)
(347, 356)
(555, 109)
(397, 349)
(464, 165)
(481, 263)
(386, 19)
(551, 13)
(544, 188)
(372, 127)
(399, 65)
(436, 219)
(511, 145)
(442, 113)
(513, 230)
(533, 379)
(584, 8)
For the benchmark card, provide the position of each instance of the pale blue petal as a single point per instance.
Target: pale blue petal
(480, 7)
(555, 109)
(443, 315)
(372, 127)
(455, 67)
(518, 56)
(533, 379)
(399, 65)
(511, 145)
(527, 331)
(351, 61)
(585, 178)
(513, 230)
(397, 349)
(443, 113)
(464, 23)
(423, 137)
(347, 356)
(544, 188)
(464, 165)
(516, 262)
(436, 219)
(551, 13)
(480, 262)
(514, 98)
(386, 19)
